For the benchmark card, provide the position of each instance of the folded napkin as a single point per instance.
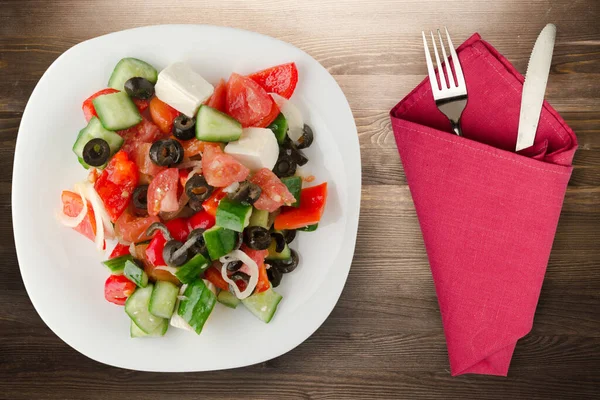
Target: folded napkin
(488, 215)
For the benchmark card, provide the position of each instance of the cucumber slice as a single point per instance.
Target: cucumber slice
(219, 241)
(136, 332)
(117, 111)
(309, 228)
(263, 305)
(285, 254)
(116, 265)
(233, 215)
(137, 309)
(163, 299)
(129, 68)
(279, 127)
(135, 274)
(197, 304)
(214, 126)
(191, 270)
(93, 130)
(228, 299)
(259, 218)
(294, 185)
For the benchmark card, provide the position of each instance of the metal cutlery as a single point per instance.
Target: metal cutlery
(534, 87)
(450, 96)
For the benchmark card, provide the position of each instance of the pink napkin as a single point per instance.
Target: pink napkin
(488, 215)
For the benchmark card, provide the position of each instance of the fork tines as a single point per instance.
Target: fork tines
(447, 87)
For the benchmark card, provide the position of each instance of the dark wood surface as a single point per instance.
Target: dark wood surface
(384, 339)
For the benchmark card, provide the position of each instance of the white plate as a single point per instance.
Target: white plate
(61, 269)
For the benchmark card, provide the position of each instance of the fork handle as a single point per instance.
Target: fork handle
(456, 127)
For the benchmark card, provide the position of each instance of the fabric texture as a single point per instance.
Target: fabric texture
(488, 215)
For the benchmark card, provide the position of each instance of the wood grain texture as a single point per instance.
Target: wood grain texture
(384, 339)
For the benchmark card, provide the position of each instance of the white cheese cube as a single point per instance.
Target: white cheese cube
(257, 148)
(182, 88)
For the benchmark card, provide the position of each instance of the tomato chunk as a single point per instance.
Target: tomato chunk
(312, 204)
(220, 169)
(162, 192)
(117, 289)
(162, 114)
(132, 229)
(88, 106)
(247, 102)
(116, 184)
(281, 79)
(258, 256)
(219, 96)
(72, 206)
(274, 193)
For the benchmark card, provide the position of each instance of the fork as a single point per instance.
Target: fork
(450, 96)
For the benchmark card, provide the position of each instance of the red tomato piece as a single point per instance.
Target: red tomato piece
(88, 106)
(119, 250)
(312, 204)
(162, 192)
(218, 98)
(162, 114)
(246, 101)
(141, 156)
(201, 220)
(72, 206)
(116, 184)
(281, 79)
(220, 169)
(274, 193)
(211, 204)
(141, 104)
(213, 275)
(258, 256)
(118, 288)
(266, 121)
(132, 229)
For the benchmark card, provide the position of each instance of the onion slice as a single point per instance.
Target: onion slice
(190, 164)
(236, 255)
(72, 222)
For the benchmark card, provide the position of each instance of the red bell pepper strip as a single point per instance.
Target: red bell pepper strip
(119, 250)
(201, 220)
(213, 275)
(211, 204)
(116, 184)
(312, 204)
(179, 229)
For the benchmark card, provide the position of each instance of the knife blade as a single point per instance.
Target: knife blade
(534, 87)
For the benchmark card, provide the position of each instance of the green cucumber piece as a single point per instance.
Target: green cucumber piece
(163, 299)
(136, 332)
(95, 130)
(309, 228)
(129, 68)
(233, 215)
(117, 264)
(294, 185)
(259, 218)
(197, 304)
(273, 255)
(228, 299)
(279, 127)
(214, 126)
(135, 274)
(191, 270)
(117, 111)
(263, 305)
(219, 241)
(136, 307)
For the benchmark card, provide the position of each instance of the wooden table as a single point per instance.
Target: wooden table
(384, 339)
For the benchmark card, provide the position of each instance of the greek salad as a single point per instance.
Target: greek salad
(198, 185)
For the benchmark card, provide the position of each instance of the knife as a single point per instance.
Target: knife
(534, 87)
